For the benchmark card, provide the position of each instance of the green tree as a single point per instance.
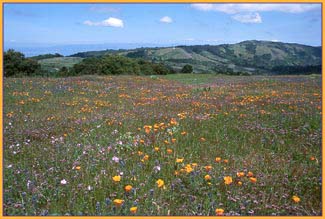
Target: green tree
(160, 69)
(87, 66)
(15, 63)
(118, 65)
(187, 69)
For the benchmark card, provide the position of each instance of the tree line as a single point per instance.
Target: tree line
(16, 64)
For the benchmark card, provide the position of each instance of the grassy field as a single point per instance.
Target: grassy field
(167, 145)
(55, 64)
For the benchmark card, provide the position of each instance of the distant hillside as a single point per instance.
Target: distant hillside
(45, 56)
(248, 56)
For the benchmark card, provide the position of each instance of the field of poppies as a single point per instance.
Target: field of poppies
(162, 145)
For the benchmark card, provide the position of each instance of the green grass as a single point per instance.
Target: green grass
(75, 129)
(55, 64)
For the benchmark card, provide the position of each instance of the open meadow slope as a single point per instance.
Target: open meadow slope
(167, 145)
(253, 56)
(56, 63)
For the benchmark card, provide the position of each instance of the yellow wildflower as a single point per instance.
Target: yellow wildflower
(188, 168)
(116, 178)
(133, 210)
(179, 160)
(160, 183)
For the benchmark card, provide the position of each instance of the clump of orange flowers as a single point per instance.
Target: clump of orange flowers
(146, 157)
(173, 121)
(253, 179)
(219, 211)
(188, 168)
(118, 202)
(228, 180)
(128, 188)
(240, 174)
(208, 168)
(218, 159)
(295, 198)
(207, 177)
(147, 128)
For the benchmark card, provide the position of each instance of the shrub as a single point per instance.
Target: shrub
(187, 69)
(16, 64)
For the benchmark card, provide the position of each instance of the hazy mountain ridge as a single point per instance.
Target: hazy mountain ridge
(248, 56)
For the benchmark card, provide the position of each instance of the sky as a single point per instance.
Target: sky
(37, 25)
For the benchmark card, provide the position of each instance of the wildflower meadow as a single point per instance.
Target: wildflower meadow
(175, 145)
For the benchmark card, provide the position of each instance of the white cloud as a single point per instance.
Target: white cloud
(90, 23)
(166, 19)
(239, 8)
(203, 7)
(213, 40)
(104, 9)
(110, 22)
(113, 22)
(248, 18)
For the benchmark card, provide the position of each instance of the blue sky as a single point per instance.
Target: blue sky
(59, 24)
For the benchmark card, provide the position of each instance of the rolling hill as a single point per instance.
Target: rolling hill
(251, 56)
